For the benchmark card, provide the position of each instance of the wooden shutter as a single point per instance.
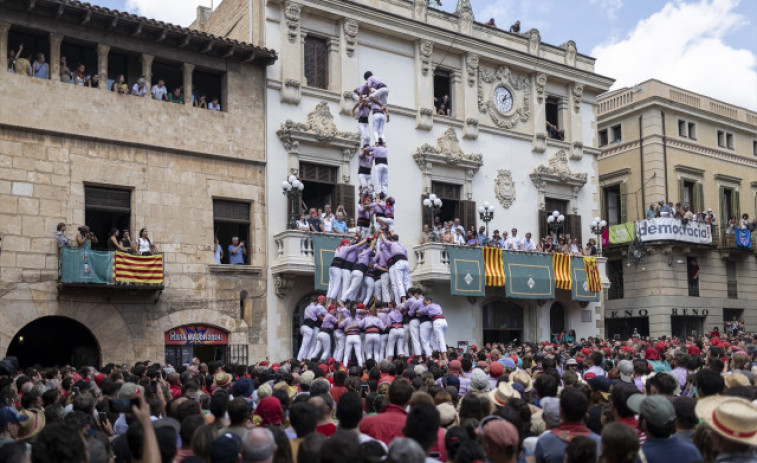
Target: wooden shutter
(309, 61)
(468, 213)
(316, 62)
(681, 191)
(573, 226)
(623, 202)
(698, 204)
(344, 194)
(735, 204)
(723, 213)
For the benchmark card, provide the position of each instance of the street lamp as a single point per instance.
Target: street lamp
(292, 188)
(486, 213)
(555, 221)
(598, 227)
(434, 205)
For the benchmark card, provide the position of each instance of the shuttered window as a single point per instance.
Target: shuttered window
(318, 173)
(316, 62)
(107, 198)
(446, 190)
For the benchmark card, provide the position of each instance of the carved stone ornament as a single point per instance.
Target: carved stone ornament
(421, 7)
(470, 129)
(320, 127)
(557, 172)
(577, 90)
(292, 14)
(466, 21)
(290, 91)
(282, 284)
(426, 49)
(487, 82)
(504, 188)
(351, 28)
(541, 82)
(471, 67)
(447, 151)
(534, 40)
(570, 53)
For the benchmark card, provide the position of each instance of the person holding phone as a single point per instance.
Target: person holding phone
(237, 251)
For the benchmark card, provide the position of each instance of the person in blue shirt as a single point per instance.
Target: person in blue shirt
(339, 225)
(657, 420)
(237, 252)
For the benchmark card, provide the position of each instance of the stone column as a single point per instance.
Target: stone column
(54, 64)
(468, 100)
(147, 69)
(334, 60)
(4, 28)
(539, 118)
(291, 53)
(102, 65)
(349, 74)
(187, 69)
(424, 85)
(574, 124)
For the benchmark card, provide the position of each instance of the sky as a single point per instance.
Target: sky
(706, 46)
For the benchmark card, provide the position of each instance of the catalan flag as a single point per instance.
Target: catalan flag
(494, 267)
(561, 265)
(128, 268)
(592, 274)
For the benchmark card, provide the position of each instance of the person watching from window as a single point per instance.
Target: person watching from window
(237, 251)
(145, 245)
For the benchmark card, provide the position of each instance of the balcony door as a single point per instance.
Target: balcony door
(503, 322)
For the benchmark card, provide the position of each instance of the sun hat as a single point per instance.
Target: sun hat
(736, 379)
(32, 426)
(522, 378)
(306, 378)
(130, 390)
(447, 414)
(503, 393)
(222, 379)
(732, 417)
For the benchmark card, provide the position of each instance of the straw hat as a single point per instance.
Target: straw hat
(736, 379)
(503, 393)
(222, 379)
(31, 427)
(732, 417)
(522, 378)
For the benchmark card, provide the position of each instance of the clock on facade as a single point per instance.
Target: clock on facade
(503, 99)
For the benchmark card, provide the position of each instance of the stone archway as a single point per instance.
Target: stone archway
(55, 340)
(298, 314)
(556, 318)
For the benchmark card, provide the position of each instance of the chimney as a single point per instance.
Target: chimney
(203, 16)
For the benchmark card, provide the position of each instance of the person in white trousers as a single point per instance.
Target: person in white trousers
(435, 313)
(383, 314)
(352, 327)
(335, 271)
(341, 313)
(358, 272)
(363, 108)
(373, 326)
(414, 305)
(309, 328)
(426, 329)
(323, 338)
(381, 167)
(383, 282)
(350, 257)
(395, 345)
(399, 271)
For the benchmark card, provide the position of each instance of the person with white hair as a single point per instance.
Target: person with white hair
(258, 446)
(405, 450)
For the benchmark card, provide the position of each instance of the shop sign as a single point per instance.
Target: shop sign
(196, 335)
(690, 312)
(628, 313)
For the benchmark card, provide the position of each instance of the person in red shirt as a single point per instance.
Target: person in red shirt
(174, 381)
(324, 405)
(340, 377)
(388, 424)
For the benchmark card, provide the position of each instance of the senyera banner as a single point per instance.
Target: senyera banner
(667, 229)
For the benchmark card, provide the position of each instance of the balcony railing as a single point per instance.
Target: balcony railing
(431, 262)
(80, 267)
(294, 253)
(693, 287)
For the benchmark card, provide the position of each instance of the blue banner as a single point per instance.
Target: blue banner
(79, 265)
(324, 247)
(529, 276)
(466, 266)
(743, 238)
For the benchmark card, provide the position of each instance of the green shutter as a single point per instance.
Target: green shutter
(681, 192)
(602, 201)
(723, 213)
(735, 204)
(623, 202)
(698, 205)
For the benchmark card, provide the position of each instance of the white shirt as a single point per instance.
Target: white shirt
(327, 224)
(529, 245)
(214, 107)
(138, 91)
(144, 245)
(514, 243)
(159, 92)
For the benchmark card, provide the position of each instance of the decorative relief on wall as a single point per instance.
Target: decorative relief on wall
(351, 28)
(570, 53)
(320, 126)
(534, 41)
(447, 151)
(292, 14)
(471, 68)
(426, 49)
(541, 82)
(518, 86)
(577, 90)
(504, 188)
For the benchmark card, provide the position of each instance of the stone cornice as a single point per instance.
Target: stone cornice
(615, 174)
(319, 128)
(557, 172)
(447, 151)
(690, 170)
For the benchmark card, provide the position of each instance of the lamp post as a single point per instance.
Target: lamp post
(598, 227)
(434, 205)
(292, 188)
(555, 221)
(486, 213)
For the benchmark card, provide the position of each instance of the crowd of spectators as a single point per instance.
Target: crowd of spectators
(683, 212)
(117, 240)
(577, 400)
(22, 63)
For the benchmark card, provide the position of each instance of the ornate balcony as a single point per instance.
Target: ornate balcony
(431, 263)
(293, 253)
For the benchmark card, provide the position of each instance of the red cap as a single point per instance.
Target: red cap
(652, 354)
(474, 347)
(590, 375)
(321, 298)
(360, 306)
(496, 370)
(586, 351)
(263, 364)
(331, 361)
(99, 378)
(323, 368)
(344, 242)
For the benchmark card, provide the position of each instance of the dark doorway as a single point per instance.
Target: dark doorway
(297, 315)
(556, 318)
(106, 208)
(624, 327)
(51, 341)
(503, 322)
(682, 326)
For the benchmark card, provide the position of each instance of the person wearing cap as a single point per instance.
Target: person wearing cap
(309, 329)
(734, 422)
(657, 420)
(550, 447)
(10, 421)
(500, 440)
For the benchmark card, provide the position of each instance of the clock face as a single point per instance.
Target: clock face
(503, 100)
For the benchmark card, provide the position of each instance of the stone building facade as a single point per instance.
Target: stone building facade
(70, 153)
(479, 152)
(661, 142)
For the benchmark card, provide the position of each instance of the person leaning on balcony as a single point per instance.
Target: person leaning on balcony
(23, 63)
(237, 251)
(113, 243)
(140, 88)
(651, 212)
(176, 96)
(120, 86)
(744, 223)
(80, 75)
(60, 235)
(145, 246)
(126, 239)
(40, 68)
(339, 225)
(85, 238)
(94, 81)
(217, 251)
(65, 72)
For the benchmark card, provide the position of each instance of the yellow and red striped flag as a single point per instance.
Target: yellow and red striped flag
(592, 274)
(561, 265)
(494, 267)
(128, 268)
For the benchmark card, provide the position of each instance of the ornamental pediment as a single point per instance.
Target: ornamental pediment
(319, 128)
(557, 172)
(447, 151)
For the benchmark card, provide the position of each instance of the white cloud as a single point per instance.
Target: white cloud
(684, 45)
(609, 7)
(179, 12)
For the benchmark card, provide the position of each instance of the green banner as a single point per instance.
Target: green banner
(580, 291)
(623, 233)
(324, 247)
(466, 266)
(529, 276)
(80, 265)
